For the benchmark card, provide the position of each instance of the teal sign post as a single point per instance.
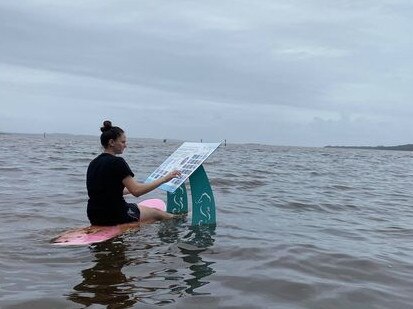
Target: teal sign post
(188, 159)
(177, 202)
(203, 203)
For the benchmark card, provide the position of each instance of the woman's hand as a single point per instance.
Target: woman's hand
(138, 189)
(171, 175)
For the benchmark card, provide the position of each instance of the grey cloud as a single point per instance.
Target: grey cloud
(327, 57)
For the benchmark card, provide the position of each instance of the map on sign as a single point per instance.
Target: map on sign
(187, 158)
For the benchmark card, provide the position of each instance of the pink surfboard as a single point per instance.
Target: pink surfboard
(154, 203)
(95, 234)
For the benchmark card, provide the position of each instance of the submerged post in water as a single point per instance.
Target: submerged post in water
(188, 159)
(203, 202)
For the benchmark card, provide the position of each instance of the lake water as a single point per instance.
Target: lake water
(296, 228)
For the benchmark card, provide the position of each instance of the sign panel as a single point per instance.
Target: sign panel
(187, 158)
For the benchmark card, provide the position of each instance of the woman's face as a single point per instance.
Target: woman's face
(118, 145)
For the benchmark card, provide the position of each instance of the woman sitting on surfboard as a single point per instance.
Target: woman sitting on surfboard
(109, 177)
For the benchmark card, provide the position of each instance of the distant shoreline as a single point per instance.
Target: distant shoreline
(407, 147)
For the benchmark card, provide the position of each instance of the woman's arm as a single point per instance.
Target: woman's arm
(138, 189)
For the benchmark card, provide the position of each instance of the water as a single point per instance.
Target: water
(297, 228)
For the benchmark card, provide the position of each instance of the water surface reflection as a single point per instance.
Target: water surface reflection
(105, 283)
(155, 272)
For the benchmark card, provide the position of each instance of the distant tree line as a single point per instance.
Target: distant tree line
(407, 147)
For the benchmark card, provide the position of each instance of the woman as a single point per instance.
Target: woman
(109, 178)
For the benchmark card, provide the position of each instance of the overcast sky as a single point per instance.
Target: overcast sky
(293, 72)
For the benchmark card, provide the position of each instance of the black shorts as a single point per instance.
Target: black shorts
(129, 213)
(133, 213)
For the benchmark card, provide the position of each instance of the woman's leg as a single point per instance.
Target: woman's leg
(148, 215)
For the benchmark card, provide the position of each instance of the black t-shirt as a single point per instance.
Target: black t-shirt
(106, 205)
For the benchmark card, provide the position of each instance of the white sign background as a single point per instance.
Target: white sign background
(187, 158)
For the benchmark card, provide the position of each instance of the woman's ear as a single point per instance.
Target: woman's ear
(111, 142)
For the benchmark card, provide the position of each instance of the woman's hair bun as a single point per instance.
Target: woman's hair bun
(109, 132)
(107, 125)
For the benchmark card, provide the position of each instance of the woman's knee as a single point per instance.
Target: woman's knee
(151, 214)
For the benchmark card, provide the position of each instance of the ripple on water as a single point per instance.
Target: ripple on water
(297, 228)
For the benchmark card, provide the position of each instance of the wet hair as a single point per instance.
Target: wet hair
(109, 132)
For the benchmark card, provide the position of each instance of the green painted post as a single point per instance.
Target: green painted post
(203, 203)
(177, 202)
